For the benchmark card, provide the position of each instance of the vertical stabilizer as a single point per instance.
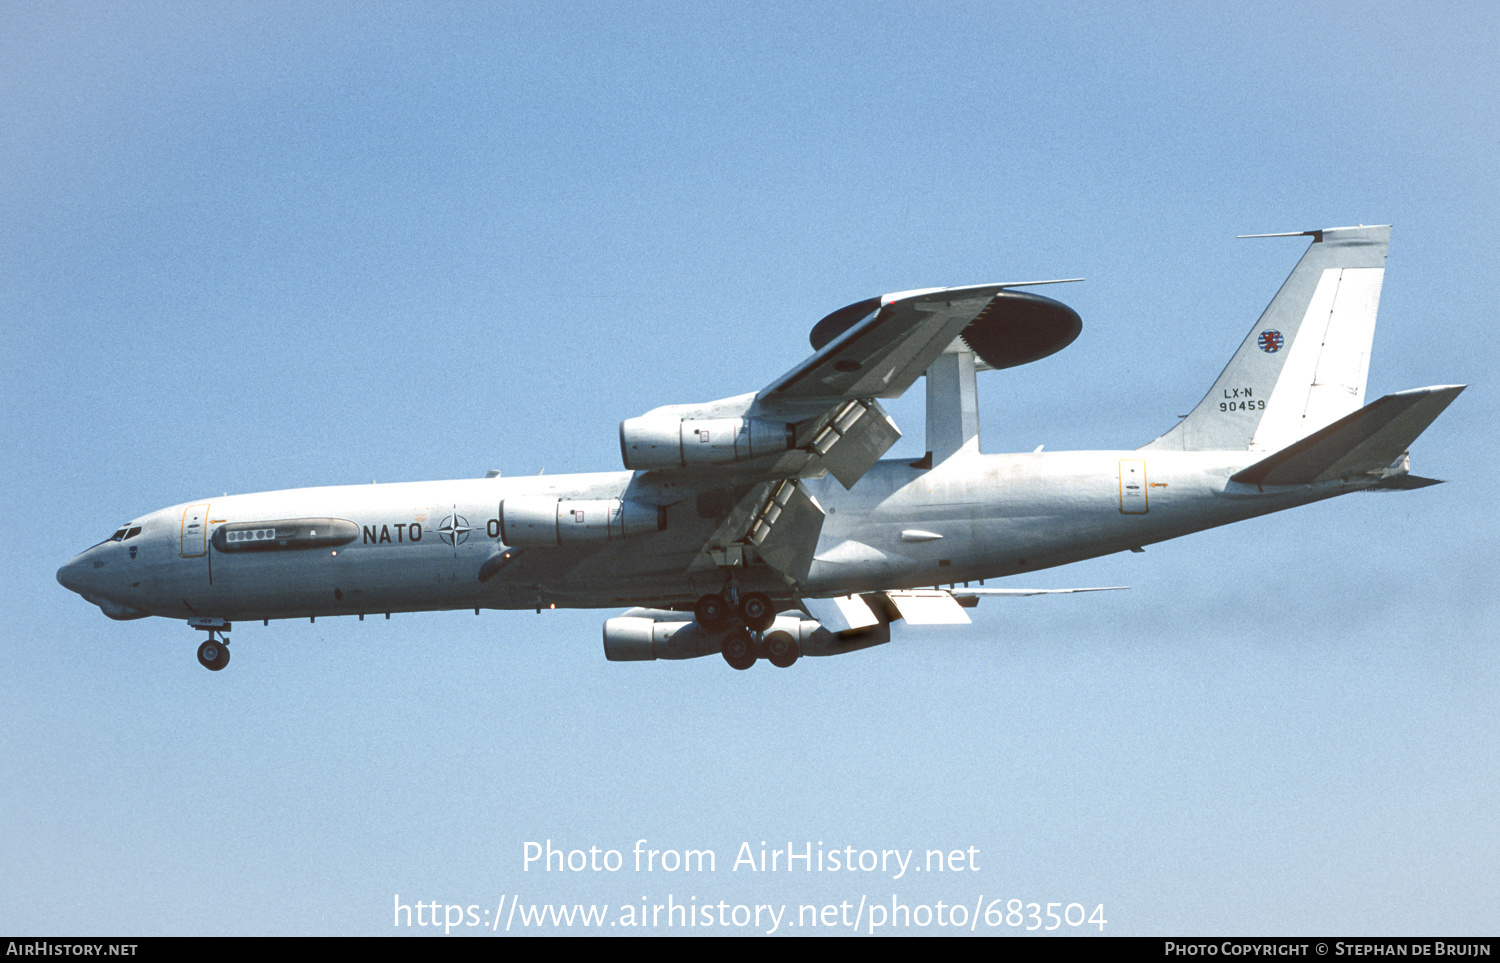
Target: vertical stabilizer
(1304, 363)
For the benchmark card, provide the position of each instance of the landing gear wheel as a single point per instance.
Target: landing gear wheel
(712, 612)
(782, 649)
(757, 611)
(213, 655)
(739, 649)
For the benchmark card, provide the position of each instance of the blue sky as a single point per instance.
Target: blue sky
(265, 246)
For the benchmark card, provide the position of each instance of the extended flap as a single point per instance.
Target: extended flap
(785, 532)
(841, 614)
(853, 441)
(929, 607)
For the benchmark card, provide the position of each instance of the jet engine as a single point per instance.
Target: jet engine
(635, 638)
(666, 441)
(644, 635)
(546, 521)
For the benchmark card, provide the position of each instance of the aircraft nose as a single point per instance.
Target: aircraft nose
(75, 576)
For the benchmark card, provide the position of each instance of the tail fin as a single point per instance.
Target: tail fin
(1303, 366)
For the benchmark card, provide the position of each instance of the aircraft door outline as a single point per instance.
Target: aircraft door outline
(1133, 487)
(195, 531)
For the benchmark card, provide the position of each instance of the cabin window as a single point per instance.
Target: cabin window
(285, 533)
(250, 535)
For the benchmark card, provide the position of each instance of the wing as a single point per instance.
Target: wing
(878, 348)
(883, 352)
(824, 416)
(933, 606)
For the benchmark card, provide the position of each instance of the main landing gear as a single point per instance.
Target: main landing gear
(744, 624)
(213, 654)
(739, 648)
(755, 610)
(781, 649)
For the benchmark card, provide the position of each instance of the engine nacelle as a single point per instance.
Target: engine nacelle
(643, 638)
(814, 640)
(546, 521)
(630, 638)
(666, 441)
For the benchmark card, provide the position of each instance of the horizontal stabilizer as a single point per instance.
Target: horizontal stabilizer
(1367, 442)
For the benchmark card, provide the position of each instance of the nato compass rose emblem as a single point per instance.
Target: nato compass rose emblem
(454, 529)
(1270, 341)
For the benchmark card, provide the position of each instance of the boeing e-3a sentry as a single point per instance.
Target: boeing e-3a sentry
(767, 525)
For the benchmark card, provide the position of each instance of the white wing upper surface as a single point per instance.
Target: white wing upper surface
(826, 413)
(883, 354)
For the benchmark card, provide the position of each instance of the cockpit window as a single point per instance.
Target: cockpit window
(133, 532)
(124, 533)
(118, 536)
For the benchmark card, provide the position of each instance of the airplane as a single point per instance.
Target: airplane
(768, 524)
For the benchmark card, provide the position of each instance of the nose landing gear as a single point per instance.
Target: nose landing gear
(213, 654)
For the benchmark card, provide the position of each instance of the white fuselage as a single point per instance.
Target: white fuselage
(971, 517)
